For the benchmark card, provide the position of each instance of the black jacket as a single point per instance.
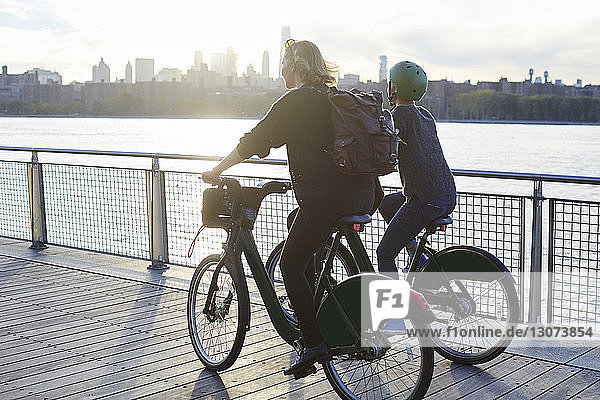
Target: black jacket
(300, 119)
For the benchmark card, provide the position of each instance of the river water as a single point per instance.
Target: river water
(529, 148)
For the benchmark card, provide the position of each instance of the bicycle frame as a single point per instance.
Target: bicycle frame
(364, 265)
(241, 240)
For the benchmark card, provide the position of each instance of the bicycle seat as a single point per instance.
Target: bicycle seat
(439, 224)
(349, 220)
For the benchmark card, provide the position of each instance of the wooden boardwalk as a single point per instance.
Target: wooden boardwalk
(70, 333)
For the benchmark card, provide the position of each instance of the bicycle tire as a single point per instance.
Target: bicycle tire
(413, 362)
(504, 303)
(218, 336)
(344, 265)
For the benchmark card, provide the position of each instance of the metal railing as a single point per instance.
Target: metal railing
(153, 214)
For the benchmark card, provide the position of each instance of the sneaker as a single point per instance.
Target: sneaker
(310, 355)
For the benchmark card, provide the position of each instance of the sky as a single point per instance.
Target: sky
(456, 40)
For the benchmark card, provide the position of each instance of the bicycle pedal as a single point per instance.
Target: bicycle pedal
(308, 371)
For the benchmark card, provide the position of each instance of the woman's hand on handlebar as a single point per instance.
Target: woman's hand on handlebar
(212, 177)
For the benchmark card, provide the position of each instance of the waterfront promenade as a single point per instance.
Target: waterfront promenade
(77, 324)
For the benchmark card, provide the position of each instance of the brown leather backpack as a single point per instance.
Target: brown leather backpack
(364, 140)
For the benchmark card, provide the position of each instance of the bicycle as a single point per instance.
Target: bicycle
(466, 288)
(393, 365)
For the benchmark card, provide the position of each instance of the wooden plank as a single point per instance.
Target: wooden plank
(50, 293)
(481, 378)
(74, 331)
(198, 381)
(513, 380)
(84, 285)
(31, 270)
(447, 373)
(113, 341)
(70, 298)
(21, 287)
(570, 386)
(542, 382)
(81, 297)
(590, 393)
(249, 344)
(58, 319)
(168, 373)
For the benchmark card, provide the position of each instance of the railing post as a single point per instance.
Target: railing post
(157, 217)
(522, 259)
(551, 222)
(37, 208)
(535, 284)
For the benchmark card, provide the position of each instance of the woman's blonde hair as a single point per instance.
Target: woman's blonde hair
(307, 60)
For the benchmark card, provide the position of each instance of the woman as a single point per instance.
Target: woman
(300, 120)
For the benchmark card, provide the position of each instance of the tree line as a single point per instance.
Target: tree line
(215, 105)
(491, 105)
(479, 105)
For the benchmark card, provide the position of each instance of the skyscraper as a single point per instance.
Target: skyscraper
(217, 63)
(285, 35)
(231, 63)
(101, 72)
(144, 69)
(265, 64)
(197, 60)
(128, 73)
(382, 69)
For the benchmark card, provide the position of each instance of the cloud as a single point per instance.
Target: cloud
(463, 39)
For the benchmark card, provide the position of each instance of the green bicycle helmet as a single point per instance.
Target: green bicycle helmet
(410, 80)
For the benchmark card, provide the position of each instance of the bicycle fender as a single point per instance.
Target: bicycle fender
(353, 296)
(464, 262)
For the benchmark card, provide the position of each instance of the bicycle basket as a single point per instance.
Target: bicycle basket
(216, 208)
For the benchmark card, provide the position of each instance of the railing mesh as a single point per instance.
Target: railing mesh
(99, 209)
(15, 217)
(490, 222)
(575, 282)
(184, 218)
(105, 209)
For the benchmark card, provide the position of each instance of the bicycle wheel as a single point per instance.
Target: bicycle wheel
(342, 266)
(402, 371)
(217, 322)
(487, 301)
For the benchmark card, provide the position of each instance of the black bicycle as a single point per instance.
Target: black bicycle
(470, 291)
(366, 364)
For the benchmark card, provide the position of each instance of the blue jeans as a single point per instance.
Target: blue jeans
(406, 218)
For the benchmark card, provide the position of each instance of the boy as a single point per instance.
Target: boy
(429, 191)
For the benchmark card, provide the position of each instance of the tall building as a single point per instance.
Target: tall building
(217, 63)
(45, 77)
(231, 66)
(285, 35)
(144, 69)
(197, 60)
(101, 72)
(383, 69)
(128, 73)
(265, 64)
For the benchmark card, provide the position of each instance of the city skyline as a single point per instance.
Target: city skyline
(458, 41)
(531, 74)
